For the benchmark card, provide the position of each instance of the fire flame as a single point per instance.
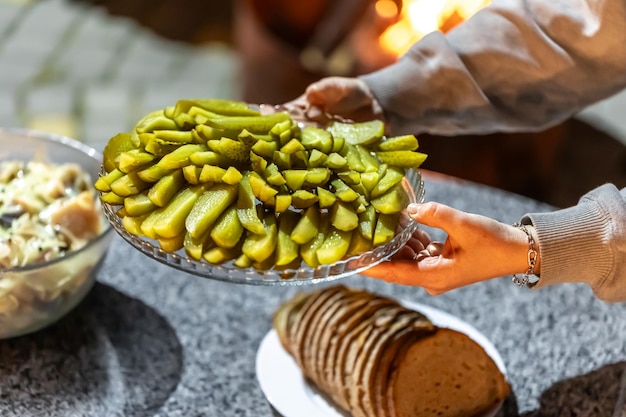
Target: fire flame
(418, 18)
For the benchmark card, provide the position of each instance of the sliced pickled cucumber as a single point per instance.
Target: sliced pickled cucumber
(118, 144)
(343, 216)
(129, 184)
(283, 202)
(104, 182)
(172, 244)
(398, 143)
(172, 220)
(232, 176)
(228, 229)
(195, 247)
(393, 201)
(307, 226)
(209, 207)
(335, 246)
(287, 250)
(367, 222)
(132, 224)
(363, 133)
(359, 244)
(308, 250)
(403, 159)
(385, 228)
(317, 138)
(232, 149)
(260, 247)
(303, 198)
(139, 204)
(163, 191)
(177, 136)
(180, 157)
(326, 198)
(295, 178)
(262, 190)
(246, 206)
(211, 173)
(112, 198)
(391, 177)
(219, 255)
(134, 159)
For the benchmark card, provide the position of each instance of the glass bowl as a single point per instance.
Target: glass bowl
(35, 296)
(228, 272)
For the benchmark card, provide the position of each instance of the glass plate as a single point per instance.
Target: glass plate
(291, 395)
(228, 272)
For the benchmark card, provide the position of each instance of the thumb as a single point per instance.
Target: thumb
(433, 214)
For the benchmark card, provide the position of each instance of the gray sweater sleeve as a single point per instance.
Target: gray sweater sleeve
(585, 243)
(515, 65)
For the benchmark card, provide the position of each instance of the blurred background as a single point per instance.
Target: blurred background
(89, 69)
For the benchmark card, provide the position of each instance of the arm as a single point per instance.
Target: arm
(584, 243)
(515, 65)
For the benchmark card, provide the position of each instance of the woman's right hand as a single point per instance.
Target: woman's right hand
(335, 98)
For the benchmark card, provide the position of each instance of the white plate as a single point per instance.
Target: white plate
(288, 392)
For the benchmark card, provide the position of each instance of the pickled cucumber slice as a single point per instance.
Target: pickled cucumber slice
(307, 226)
(335, 246)
(115, 146)
(287, 250)
(308, 250)
(343, 217)
(209, 207)
(398, 143)
(403, 159)
(364, 133)
(134, 159)
(385, 228)
(163, 191)
(172, 220)
(246, 207)
(260, 247)
(139, 204)
(228, 229)
(104, 182)
(129, 184)
(393, 201)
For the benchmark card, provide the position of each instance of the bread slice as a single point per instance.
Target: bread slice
(329, 338)
(317, 324)
(411, 325)
(445, 375)
(301, 325)
(285, 315)
(349, 344)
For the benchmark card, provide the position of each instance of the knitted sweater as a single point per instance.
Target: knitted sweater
(524, 65)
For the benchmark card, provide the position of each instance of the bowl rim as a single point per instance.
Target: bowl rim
(79, 146)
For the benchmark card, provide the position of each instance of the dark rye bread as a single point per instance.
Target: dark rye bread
(444, 375)
(354, 329)
(331, 336)
(317, 323)
(412, 326)
(373, 357)
(301, 327)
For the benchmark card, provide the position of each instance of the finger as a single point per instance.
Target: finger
(436, 215)
(405, 253)
(435, 248)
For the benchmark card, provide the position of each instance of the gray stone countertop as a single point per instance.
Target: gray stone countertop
(150, 340)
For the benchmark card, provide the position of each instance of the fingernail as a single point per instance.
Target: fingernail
(412, 208)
